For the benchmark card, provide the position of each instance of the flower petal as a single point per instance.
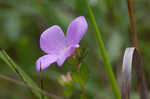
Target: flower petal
(44, 62)
(76, 30)
(65, 54)
(61, 60)
(52, 40)
(72, 48)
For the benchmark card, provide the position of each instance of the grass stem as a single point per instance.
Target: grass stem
(104, 56)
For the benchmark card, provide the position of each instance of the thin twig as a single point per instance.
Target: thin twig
(132, 24)
(28, 86)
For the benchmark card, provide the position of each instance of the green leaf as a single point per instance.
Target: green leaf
(81, 77)
(19, 72)
(76, 77)
(84, 74)
(68, 89)
(81, 97)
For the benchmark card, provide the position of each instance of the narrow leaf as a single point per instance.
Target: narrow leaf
(132, 56)
(140, 76)
(28, 86)
(19, 71)
(76, 77)
(126, 73)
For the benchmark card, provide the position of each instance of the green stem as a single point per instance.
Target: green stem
(104, 56)
(4, 56)
(81, 86)
(83, 91)
(41, 83)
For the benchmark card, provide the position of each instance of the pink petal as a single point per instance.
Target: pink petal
(76, 30)
(44, 62)
(61, 59)
(52, 40)
(65, 54)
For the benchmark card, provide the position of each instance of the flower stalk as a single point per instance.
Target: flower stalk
(81, 86)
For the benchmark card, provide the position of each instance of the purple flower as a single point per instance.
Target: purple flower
(59, 47)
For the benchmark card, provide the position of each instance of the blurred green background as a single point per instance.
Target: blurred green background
(23, 21)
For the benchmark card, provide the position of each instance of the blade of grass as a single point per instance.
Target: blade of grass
(4, 56)
(104, 56)
(28, 86)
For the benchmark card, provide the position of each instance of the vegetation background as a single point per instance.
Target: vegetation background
(23, 21)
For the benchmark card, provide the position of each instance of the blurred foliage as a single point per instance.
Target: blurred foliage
(22, 22)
